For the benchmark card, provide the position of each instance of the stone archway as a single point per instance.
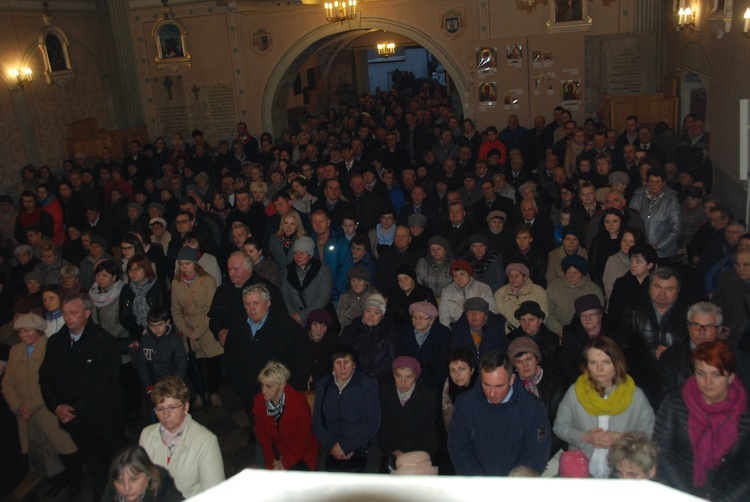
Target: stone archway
(273, 111)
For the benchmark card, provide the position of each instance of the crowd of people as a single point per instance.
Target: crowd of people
(559, 300)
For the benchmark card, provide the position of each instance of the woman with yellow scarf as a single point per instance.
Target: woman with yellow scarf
(602, 404)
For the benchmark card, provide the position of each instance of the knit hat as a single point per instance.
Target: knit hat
(404, 269)
(587, 302)
(577, 262)
(529, 307)
(304, 244)
(572, 230)
(407, 362)
(574, 464)
(496, 214)
(426, 308)
(30, 320)
(461, 265)
(374, 300)
(23, 249)
(440, 241)
(524, 344)
(358, 272)
(479, 239)
(99, 240)
(35, 276)
(415, 463)
(159, 207)
(418, 220)
(321, 316)
(517, 267)
(477, 304)
(136, 206)
(618, 177)
(188, 254)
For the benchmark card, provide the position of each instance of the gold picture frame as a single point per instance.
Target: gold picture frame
(568, 15)
(170, 37)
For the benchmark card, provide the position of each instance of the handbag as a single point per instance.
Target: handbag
(42, 456)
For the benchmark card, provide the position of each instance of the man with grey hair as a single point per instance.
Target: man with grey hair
(261, 335)
(704, 324)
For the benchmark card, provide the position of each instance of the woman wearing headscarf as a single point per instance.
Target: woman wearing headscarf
(562, 293)
(409, 291)
(283, 423)
(407, 419)
(520, 288)
(433, 270)
(352, 302)
(322, 338)
(308, 282)
(602, 404)
(703, 429)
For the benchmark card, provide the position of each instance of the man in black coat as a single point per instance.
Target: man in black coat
(263, 335)
(79, 383)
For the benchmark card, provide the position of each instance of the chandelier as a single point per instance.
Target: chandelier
(346, 10)
(386, 49)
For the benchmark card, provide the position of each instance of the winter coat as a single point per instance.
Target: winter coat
(453, 298)
(434, 278)
(377, 347)
(663, 219)
(155, 297)
(432, 355)
(314, 292)
(493, 335)
(562, 295)
(160, 356)
(407, 427)
(554, 262)
(190, 306)
(507, 303)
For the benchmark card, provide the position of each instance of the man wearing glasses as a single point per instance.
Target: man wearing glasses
(704, 323)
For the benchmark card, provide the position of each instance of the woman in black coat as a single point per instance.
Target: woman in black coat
(140, 295)
(409, 291)
(427, 341)
(605, 243)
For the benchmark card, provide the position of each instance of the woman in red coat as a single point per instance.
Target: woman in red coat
(283, 423)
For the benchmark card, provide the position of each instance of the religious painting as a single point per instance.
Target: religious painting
(536, 57)
(568, 15)
(53, 44)
(171, 46)
(571, 90)
(488, 92)
(487, 59)
(514, 53)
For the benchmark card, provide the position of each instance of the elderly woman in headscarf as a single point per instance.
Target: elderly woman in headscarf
(322, 338)
(433, 270)
(407, 420)
(427, 341)
(283, 423)
(563, 292)
(24, 397)
(703, 430)
(351, 303)
(409, 291)
(374, 338)
(520, 288)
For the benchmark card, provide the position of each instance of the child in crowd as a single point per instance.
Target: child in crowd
(349, 226)
(161, 352)
(564, 220)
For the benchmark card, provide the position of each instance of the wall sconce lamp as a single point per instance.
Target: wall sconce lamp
(686, 18)
(746, 28)
(23, 76)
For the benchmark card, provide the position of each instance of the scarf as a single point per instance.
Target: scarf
(189, 280)
(275, 410)
(403, 397)
(385, 237)
(532, 384)
(287, 241)
(594, 404)
(173, 439)
(140, 303)
(102, 298)
(712, 427)
(51, 316)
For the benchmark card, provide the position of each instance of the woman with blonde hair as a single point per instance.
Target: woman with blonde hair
(601, 405)
(283, 422)
(281, 243)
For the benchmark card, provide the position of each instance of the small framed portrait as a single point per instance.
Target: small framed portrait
(170, 37)
(536, 57)
(571, 90)
(487, 59)
(54, 47)
(488, 92)
(548, 56)
(568, 15)
(514, 53)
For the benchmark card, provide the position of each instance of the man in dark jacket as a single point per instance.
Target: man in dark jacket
(479, 329)
(78, 379)
(651, 327)
(497, 425)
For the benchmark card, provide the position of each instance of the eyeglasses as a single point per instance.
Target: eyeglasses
(170, 409)
(703, 327)
(135, 268)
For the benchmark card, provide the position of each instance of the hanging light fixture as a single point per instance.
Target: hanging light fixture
(345, 10)
(386, 49)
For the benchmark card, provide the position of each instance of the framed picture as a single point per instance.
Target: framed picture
(568, 15)
(171, 44)
(571, 90)
(54, 47)
(487, 59)
(514, 53)
(488, 92)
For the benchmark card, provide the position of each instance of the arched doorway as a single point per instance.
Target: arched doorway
(273, 108)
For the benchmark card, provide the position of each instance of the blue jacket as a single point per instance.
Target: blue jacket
(491, 439)
(338, 256)
(350, 417)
